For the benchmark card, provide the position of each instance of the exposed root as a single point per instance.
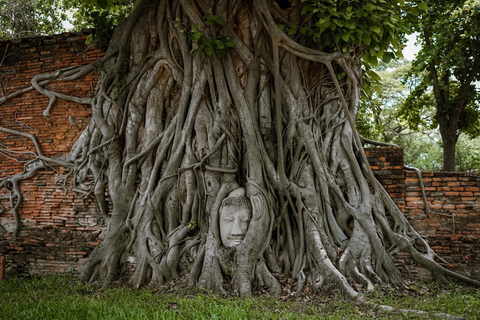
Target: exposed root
(440, 315)
(173, 134)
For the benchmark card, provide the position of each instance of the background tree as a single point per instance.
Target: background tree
(45, 17)
(378, 117)
(448, 66)
(198, 98)
(101, 15)
(383, 117)
(468, 154)
(26, 18)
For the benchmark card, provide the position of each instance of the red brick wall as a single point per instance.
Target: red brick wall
(455, 239)
(447, 193)
(387, 165)
(60, 229)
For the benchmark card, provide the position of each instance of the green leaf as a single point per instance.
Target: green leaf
(306, 9)
(211, 19)
(220, 44)
(209, 50)
(196, 36)
(414, 11)
(388, 24)
(218, 20)
(345, 36)
(339, 22)
(368, 58)
(367, 39)
(374, 75)
(229, 42)
(376, 29)
(366, 89)
(324, 22)
(369, 7)
(423, 6)
(388, 56)
(221, 52)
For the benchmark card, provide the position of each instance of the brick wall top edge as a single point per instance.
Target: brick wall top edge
(383, 148)
(445, 174)
(63, 35)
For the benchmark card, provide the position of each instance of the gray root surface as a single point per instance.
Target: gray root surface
(173, 133)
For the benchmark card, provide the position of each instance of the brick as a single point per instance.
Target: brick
(452, 193)
(466, 194)
(453, 184)
(472, 189)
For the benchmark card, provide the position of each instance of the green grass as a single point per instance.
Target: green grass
(58, 297)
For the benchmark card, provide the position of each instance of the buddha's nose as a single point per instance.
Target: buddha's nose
(237, 228)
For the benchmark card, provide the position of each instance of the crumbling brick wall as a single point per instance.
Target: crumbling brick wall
(387, 165)
(61, 228)
(453, 227)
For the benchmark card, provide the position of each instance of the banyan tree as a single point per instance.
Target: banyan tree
(223, 148)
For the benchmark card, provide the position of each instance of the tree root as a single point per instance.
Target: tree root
(172, 134)
(390, 309)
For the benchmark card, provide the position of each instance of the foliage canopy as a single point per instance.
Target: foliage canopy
(447, 67)
(26, 18)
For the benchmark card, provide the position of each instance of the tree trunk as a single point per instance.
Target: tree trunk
(196, 119)
(449, 146)
(448, 126)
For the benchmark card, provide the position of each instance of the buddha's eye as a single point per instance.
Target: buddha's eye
(228, 219)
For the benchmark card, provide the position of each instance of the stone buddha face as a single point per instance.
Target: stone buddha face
(235, 214)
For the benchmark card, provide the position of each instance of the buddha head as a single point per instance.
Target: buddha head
(235, 213)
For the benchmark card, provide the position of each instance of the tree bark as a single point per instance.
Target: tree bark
(187, 111)
(449, 146)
